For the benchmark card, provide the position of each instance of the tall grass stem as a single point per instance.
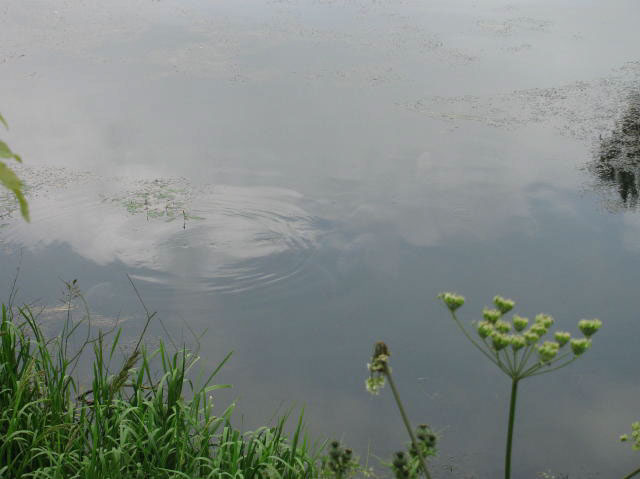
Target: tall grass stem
(407, 424)
(634, 473)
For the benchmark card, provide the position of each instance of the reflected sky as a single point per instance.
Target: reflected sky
(302, 177)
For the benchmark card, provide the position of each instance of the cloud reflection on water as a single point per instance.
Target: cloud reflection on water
(221, 242)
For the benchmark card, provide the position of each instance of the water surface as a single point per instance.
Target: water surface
(301, 178)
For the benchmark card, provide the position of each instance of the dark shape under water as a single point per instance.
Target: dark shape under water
(617, 162)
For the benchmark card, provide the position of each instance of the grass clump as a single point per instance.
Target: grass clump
(130, 423)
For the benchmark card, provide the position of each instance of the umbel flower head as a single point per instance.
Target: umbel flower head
(562, 337)
(548, 350)
(520, 361)
(539, 329)
(491, 315)
(452, 300)
(579, 346)
(377, 368)
(499, 341)
(502, 326)
(517, 342)
(503, 304)
(545, 320)
(589, 327)
(635, 436)
(519, 323)
(525, 338)
(531, 337)
(485, 329)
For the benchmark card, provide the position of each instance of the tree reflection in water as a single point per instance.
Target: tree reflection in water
(617, 161)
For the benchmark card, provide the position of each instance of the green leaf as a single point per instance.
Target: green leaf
(10, 181)
(4, 122)
(5, 152)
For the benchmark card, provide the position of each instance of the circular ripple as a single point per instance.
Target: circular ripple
(212, 238)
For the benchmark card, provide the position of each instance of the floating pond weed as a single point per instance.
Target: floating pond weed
(519, 361)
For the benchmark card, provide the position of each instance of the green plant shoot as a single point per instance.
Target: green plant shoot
(518, 349)
(8, 178)
(635, 444)
(423, 441)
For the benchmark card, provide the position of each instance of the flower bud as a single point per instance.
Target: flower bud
(340, 459)
(503, 304)
(378, 368)
(589, 326)
(562, 337)
(499, 341)
(484, 329)
(579, 346)
(380, 358)
(380, 349)
(374, 384)
(491, 315)
(425, 436)
(545, 319)
(518, 342)
(452, 300)
(539, 329)
(502, 326)
(519, 323)
(548, 350)
(635, 435)
(400, 466)
(531, 337)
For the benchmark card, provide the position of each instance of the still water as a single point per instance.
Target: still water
(300, 178)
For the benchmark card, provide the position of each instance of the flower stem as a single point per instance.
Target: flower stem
(538, 373)
(637, 471)
(464, 331)
(405, 419)
(512, 415)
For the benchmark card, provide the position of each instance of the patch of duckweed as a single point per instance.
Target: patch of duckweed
(159, 199)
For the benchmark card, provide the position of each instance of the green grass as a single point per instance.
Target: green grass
(130, 423)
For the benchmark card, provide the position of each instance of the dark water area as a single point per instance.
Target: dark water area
(301, 178)
(618, 157)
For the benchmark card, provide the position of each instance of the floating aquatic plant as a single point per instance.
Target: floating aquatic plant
(521, 354)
